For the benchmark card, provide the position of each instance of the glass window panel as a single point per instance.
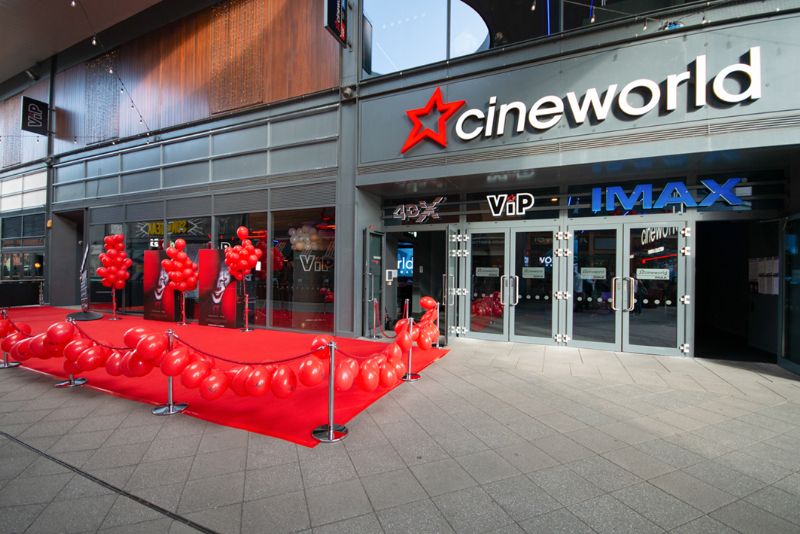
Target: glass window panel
(13, 202)
(141, 236)
(33, 225)
(34, 199)
(70, 173)
(69, 192)
(141, 181)
(303, 269)
(405, 34)
(792, 289)
(186, 174)
(12, 186)
(34, 181)
(594, 273)
(141, 158)
(99, 167)
(468, 31)
(192, 149)
(12, 227)
(196, 231)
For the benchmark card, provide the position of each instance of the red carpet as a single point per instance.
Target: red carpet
(291, 419)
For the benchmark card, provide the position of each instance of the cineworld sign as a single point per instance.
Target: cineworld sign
(550, 110)
(674, 193)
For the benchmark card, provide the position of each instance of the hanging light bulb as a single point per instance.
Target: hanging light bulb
(592, 19)
(94, 40)
(110, 70)
(73, 3)
(705, 20)
(644, 28)
(533, 6)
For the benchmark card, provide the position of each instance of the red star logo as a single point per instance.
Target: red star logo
(419, 132)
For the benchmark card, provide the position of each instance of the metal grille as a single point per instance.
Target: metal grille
(300, 196)
(106, 215)
(241, 202)
(145, 211)
(102, 99)
(186, 207)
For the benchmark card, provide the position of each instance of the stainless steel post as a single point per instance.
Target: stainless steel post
(7, 364)
(246, 311)
(169, 408)
(183, 309)
(114, 306)
(331, 432)
(410, 376)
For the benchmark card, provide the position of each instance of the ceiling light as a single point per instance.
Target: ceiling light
(533, 6)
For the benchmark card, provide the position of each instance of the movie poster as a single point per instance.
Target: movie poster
(217, 299)
(160, 302)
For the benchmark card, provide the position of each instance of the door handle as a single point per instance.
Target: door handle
(516, 290)
(614, 281)
(503, 288)
(631, 293)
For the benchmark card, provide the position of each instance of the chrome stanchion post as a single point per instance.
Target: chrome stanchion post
(331, 432)
(375, 312)
(183, 309)
(170, 408)
(72, 382)
(406, 309)
(246, 312)
(410, 376)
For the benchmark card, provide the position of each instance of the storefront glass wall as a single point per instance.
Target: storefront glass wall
(196, 231)
(256, 283)
(141, 236)
(303, 269)
(792, 290)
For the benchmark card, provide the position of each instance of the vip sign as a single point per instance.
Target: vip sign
(313, 263)
(549, 110)
(510, 205)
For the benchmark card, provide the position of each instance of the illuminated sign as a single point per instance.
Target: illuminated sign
(674, 193)
(511, 205)
(336, 19)
(420, 212)
(405, 262)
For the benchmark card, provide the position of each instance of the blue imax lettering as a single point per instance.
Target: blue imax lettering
(674, 193)
(548, 111)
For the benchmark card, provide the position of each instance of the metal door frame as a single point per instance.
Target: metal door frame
(369, 284)
(467, 317)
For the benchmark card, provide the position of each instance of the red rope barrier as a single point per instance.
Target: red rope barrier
(234, 362)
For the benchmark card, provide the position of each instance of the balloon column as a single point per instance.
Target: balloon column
(182, 272)
(241, 260)
(114, 271)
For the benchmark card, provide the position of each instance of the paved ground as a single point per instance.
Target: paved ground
(496, 437)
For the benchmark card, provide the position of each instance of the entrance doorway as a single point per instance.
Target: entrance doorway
(67, 243)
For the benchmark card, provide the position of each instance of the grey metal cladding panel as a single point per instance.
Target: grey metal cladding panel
(192, 173)
(301, 158)
(247, 166)
(241, 140)
(138, 159)
(67, 192)
(107, 215)
(69, 173)
(101, 166)
(144, 211)
(247, 202)
(102, 187)
(185, 207)
(185, 150)
(141, 181)
(300, 196)
(304, 128)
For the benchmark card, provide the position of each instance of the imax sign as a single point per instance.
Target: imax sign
(674, 193)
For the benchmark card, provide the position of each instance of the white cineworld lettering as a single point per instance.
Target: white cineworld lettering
(596, 104)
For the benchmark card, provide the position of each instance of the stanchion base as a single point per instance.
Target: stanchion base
(112, 318)
(8, 365)
(169, 409)
(181, 324)
(245, 329)
(410, 377)
(322, 433)
(70, 383)
(85, 316)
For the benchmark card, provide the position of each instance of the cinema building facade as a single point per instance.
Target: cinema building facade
(558, 173)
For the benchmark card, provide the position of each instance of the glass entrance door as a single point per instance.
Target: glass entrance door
(534, 277)
(373, 282)
(625, 287)
(489, 285)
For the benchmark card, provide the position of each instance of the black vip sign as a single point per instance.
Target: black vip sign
(336, 19)
(35, 116)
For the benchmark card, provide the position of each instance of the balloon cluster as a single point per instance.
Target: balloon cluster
(114, 272)
(488, 306)
(182, 271)
(243, 258)
(425, 332)
(327, 295)
(306, 238)
(12, 335)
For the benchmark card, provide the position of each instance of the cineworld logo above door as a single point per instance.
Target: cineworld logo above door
(595, 104)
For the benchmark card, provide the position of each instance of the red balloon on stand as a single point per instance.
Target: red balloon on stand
(194, 373)
(238, 379)
(24, 328)
(368, 377)
(151, 346)
(318, 343)
(388, 375)
(137, 366)
(74, 348)
(132, 336)
(38, 348)
(404, 341)
(284, 382)
(60, 333)
(312, 371)
(428, 303)
(175, 361)
(393, 351)
(114, 363)
(214, 385)
(259, 381)
(344, 377)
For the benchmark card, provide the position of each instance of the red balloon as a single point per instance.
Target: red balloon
(284, 382)
(114, 363)
(401, 326)
(424, 341)
(259, 381)
(214, 385)
(132, 336)
(404, 341)
(344, 377)
(242, 232)
(414, 332)
(180, 244)
(317, 343)
(312, 371)
(399, 368)
(151, 346)
(38, 348)
(74, 348)
(368, 377)
(24, 328)
(194, 373)
(393, 351)
(388, 375)
(427, 303)
(90, 359)
(69, 367)
(238, 378)
(21, 350)
(5, 327)
(175, 361)
(9, 341)
(138, 366)
(353, 364)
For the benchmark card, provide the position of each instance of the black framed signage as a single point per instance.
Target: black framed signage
(35, 116)
(336, 19)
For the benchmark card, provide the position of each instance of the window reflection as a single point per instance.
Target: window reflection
(196, 231)
(303, 269)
